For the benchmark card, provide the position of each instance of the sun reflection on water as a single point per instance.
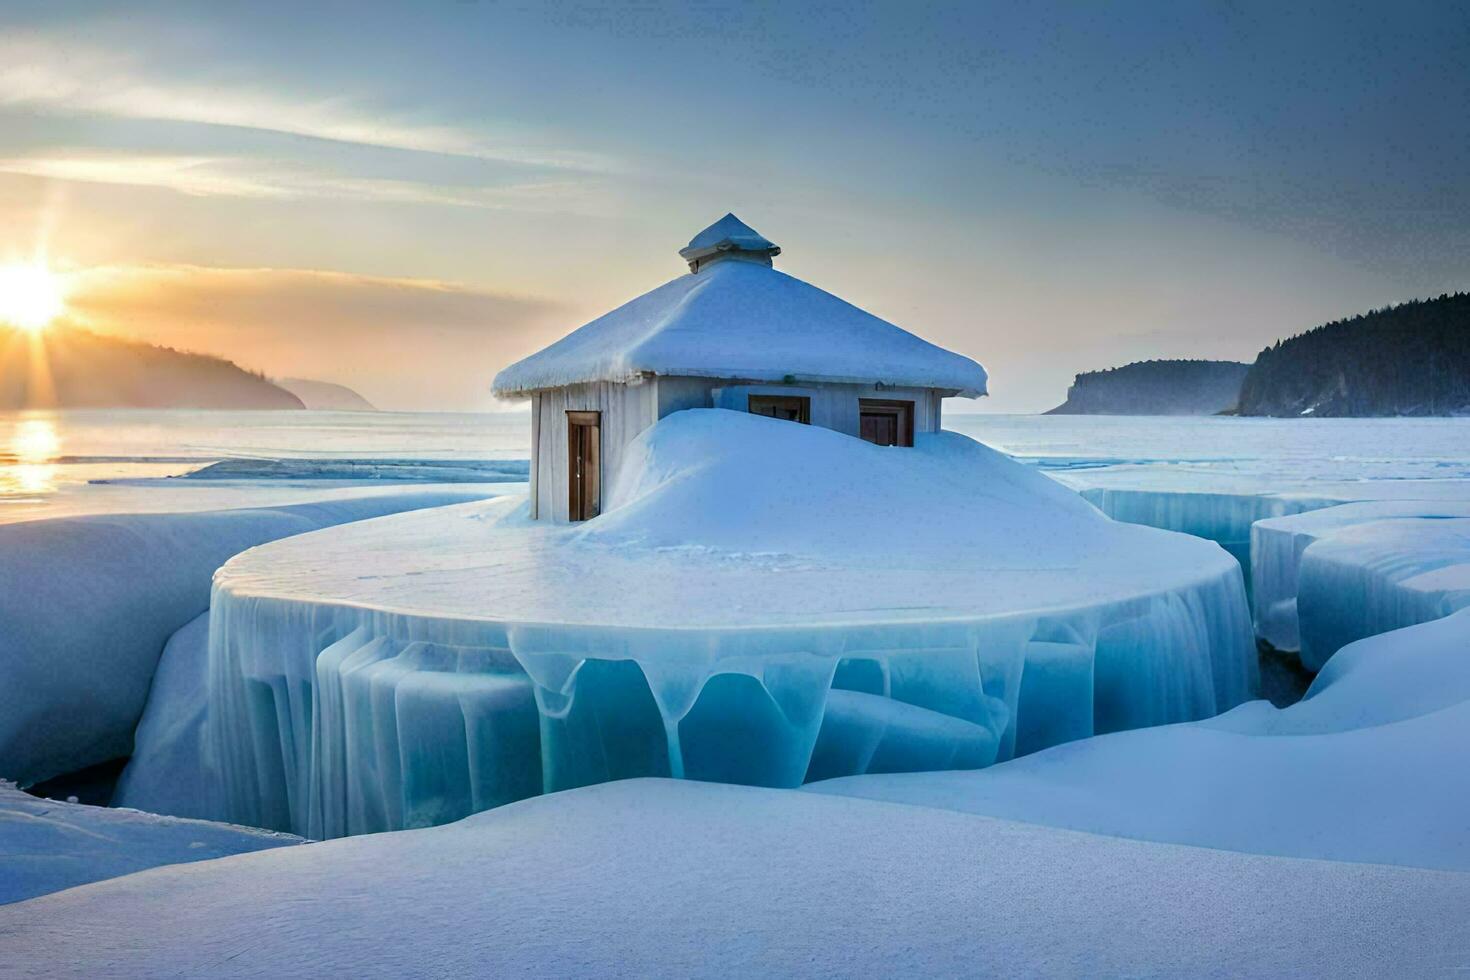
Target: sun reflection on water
(28, 463)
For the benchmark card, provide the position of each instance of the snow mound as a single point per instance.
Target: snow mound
(1377, 577)
(47, 845)
(673, 878)
(89, 602)
(742, 320)
(744, 569)
(1367, 768)
(1277, 545)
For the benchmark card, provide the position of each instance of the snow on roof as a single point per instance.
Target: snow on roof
(742, 320)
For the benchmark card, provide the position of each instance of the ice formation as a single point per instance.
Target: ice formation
(1277, 546)
(760, 602)
(1367, 768)
(88, 603)
(49, 845)
(677, 878)
(1380, 576)
(1225, 518)
(1215, 478)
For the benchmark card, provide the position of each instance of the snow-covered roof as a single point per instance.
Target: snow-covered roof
(742, 320)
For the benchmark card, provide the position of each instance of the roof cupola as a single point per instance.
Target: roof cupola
(728, 238)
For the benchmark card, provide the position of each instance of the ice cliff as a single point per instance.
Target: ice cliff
(760, 602)
(1379, 576)
(1277, 546)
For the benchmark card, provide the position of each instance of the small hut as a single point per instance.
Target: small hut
(734, 333)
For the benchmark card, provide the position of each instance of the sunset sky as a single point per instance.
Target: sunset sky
(405, 197)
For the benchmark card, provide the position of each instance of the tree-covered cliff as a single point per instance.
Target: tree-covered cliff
(1156, 388)
(66, 367)
(1410, 359)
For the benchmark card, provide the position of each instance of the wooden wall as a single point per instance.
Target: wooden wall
(836, 406)
(629, 409)
(626, 411)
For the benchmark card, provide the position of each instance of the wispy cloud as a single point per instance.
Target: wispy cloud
(59, 75)
(267, 179)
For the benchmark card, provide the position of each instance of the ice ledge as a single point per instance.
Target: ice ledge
(873, 608)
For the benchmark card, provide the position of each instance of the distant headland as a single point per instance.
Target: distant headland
(1409, 359)
(75, 368)
(1176, 387)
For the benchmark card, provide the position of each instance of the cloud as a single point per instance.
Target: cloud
(230, 176)
(402, 343)
(61, 75)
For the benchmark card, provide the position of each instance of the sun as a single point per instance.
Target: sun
(30, 296)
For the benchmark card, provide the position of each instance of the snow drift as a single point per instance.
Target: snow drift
(48, 845)
(676, 878)
(88, 603)
(170, 770)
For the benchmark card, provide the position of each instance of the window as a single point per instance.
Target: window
(792, 408)
(584, 465)
(886, 423)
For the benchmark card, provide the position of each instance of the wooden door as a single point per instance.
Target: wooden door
(880, 428)
(584, 465)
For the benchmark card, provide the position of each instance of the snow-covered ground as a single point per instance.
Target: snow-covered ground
(680, 878)
(1079, 859)
(967, 607)
(1369, 767)
(50, 845)
(89, 600)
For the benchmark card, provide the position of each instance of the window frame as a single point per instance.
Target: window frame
(802, 404)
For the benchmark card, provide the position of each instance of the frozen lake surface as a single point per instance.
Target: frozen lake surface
(46, 454)
(1229, 454)
(48, 459)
